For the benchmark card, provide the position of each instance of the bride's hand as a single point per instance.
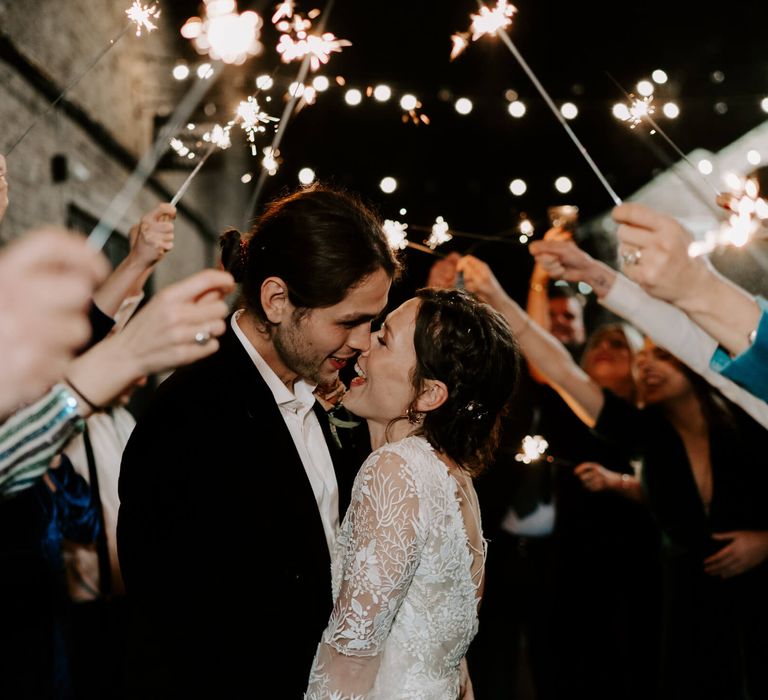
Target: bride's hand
(465, 682)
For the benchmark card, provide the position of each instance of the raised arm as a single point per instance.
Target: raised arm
(150, 240)
(177, 327)
(664, 323)
(664, 269)
(540, 348)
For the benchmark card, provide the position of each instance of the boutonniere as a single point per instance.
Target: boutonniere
(330, 398)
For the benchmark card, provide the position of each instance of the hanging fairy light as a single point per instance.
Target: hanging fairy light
(439, 233)
(495, 21)
(224, 34)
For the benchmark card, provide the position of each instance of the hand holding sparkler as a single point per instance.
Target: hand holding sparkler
(442, 275)
(657, 246)
(540, 276)
(479, 279)
(152, 238)
(565, 260)
(666, 270)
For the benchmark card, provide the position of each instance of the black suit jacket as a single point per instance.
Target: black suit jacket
(220, 539)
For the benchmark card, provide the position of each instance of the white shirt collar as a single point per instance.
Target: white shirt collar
(300, 400)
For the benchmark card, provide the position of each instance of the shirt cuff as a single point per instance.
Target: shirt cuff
(750, 368)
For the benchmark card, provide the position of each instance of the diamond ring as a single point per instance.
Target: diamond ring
(631, 257)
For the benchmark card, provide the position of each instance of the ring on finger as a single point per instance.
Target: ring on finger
(202, 336)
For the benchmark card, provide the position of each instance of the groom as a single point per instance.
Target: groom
(231, 486)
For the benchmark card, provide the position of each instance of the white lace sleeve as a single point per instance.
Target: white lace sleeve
(380, 543)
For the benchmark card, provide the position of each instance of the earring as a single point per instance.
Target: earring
(414, 417)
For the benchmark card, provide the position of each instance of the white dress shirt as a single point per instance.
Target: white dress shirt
(302, 423)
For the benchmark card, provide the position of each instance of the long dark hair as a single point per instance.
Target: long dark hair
(322, 242)
(468, 346)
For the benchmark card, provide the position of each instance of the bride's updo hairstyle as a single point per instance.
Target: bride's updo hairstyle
(320, 241)
(468, 346)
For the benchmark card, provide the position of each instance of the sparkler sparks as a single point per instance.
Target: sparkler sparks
(142, 16)
(533, 449)
(224, 34)
(252, 121)
(460, 41)
(219, 136)
(396, 235)
(749, 215)
(490, 21)
(439, 234)
(319, 48)
(636, 112)
(284, 9)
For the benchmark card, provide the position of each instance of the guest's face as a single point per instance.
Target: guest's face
(566, 318)
(382, 391)
(608, 358)
(659, 375)
(317, 344)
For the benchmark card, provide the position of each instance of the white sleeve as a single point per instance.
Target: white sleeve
(673, 330)
(379, 560)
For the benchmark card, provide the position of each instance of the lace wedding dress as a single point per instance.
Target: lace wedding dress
(406, 573)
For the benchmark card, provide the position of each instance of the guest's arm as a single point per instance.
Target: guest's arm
(539, 347)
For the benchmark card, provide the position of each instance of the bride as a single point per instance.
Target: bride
(409, 559)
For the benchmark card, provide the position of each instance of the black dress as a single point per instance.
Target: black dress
(715, 631)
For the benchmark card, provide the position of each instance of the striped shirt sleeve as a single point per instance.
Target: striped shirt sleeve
(32, 437)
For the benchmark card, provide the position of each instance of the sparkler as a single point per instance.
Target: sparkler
(120, 203)
(494, 22)
(533, 449)
(284, 119)
(218, 137)
(296, 42)
(318, 48)
(439, 233)
(139, 15)
(142, 16)
(640, 110)
(252, 120)
(224, 34)
(749, 215)
(398, 238)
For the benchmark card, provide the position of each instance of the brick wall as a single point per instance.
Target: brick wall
(123, 92)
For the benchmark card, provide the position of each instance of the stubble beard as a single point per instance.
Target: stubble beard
(293, 350)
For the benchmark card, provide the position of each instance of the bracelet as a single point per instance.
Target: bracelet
(536, 287)
(94, 407)
(625, 481)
